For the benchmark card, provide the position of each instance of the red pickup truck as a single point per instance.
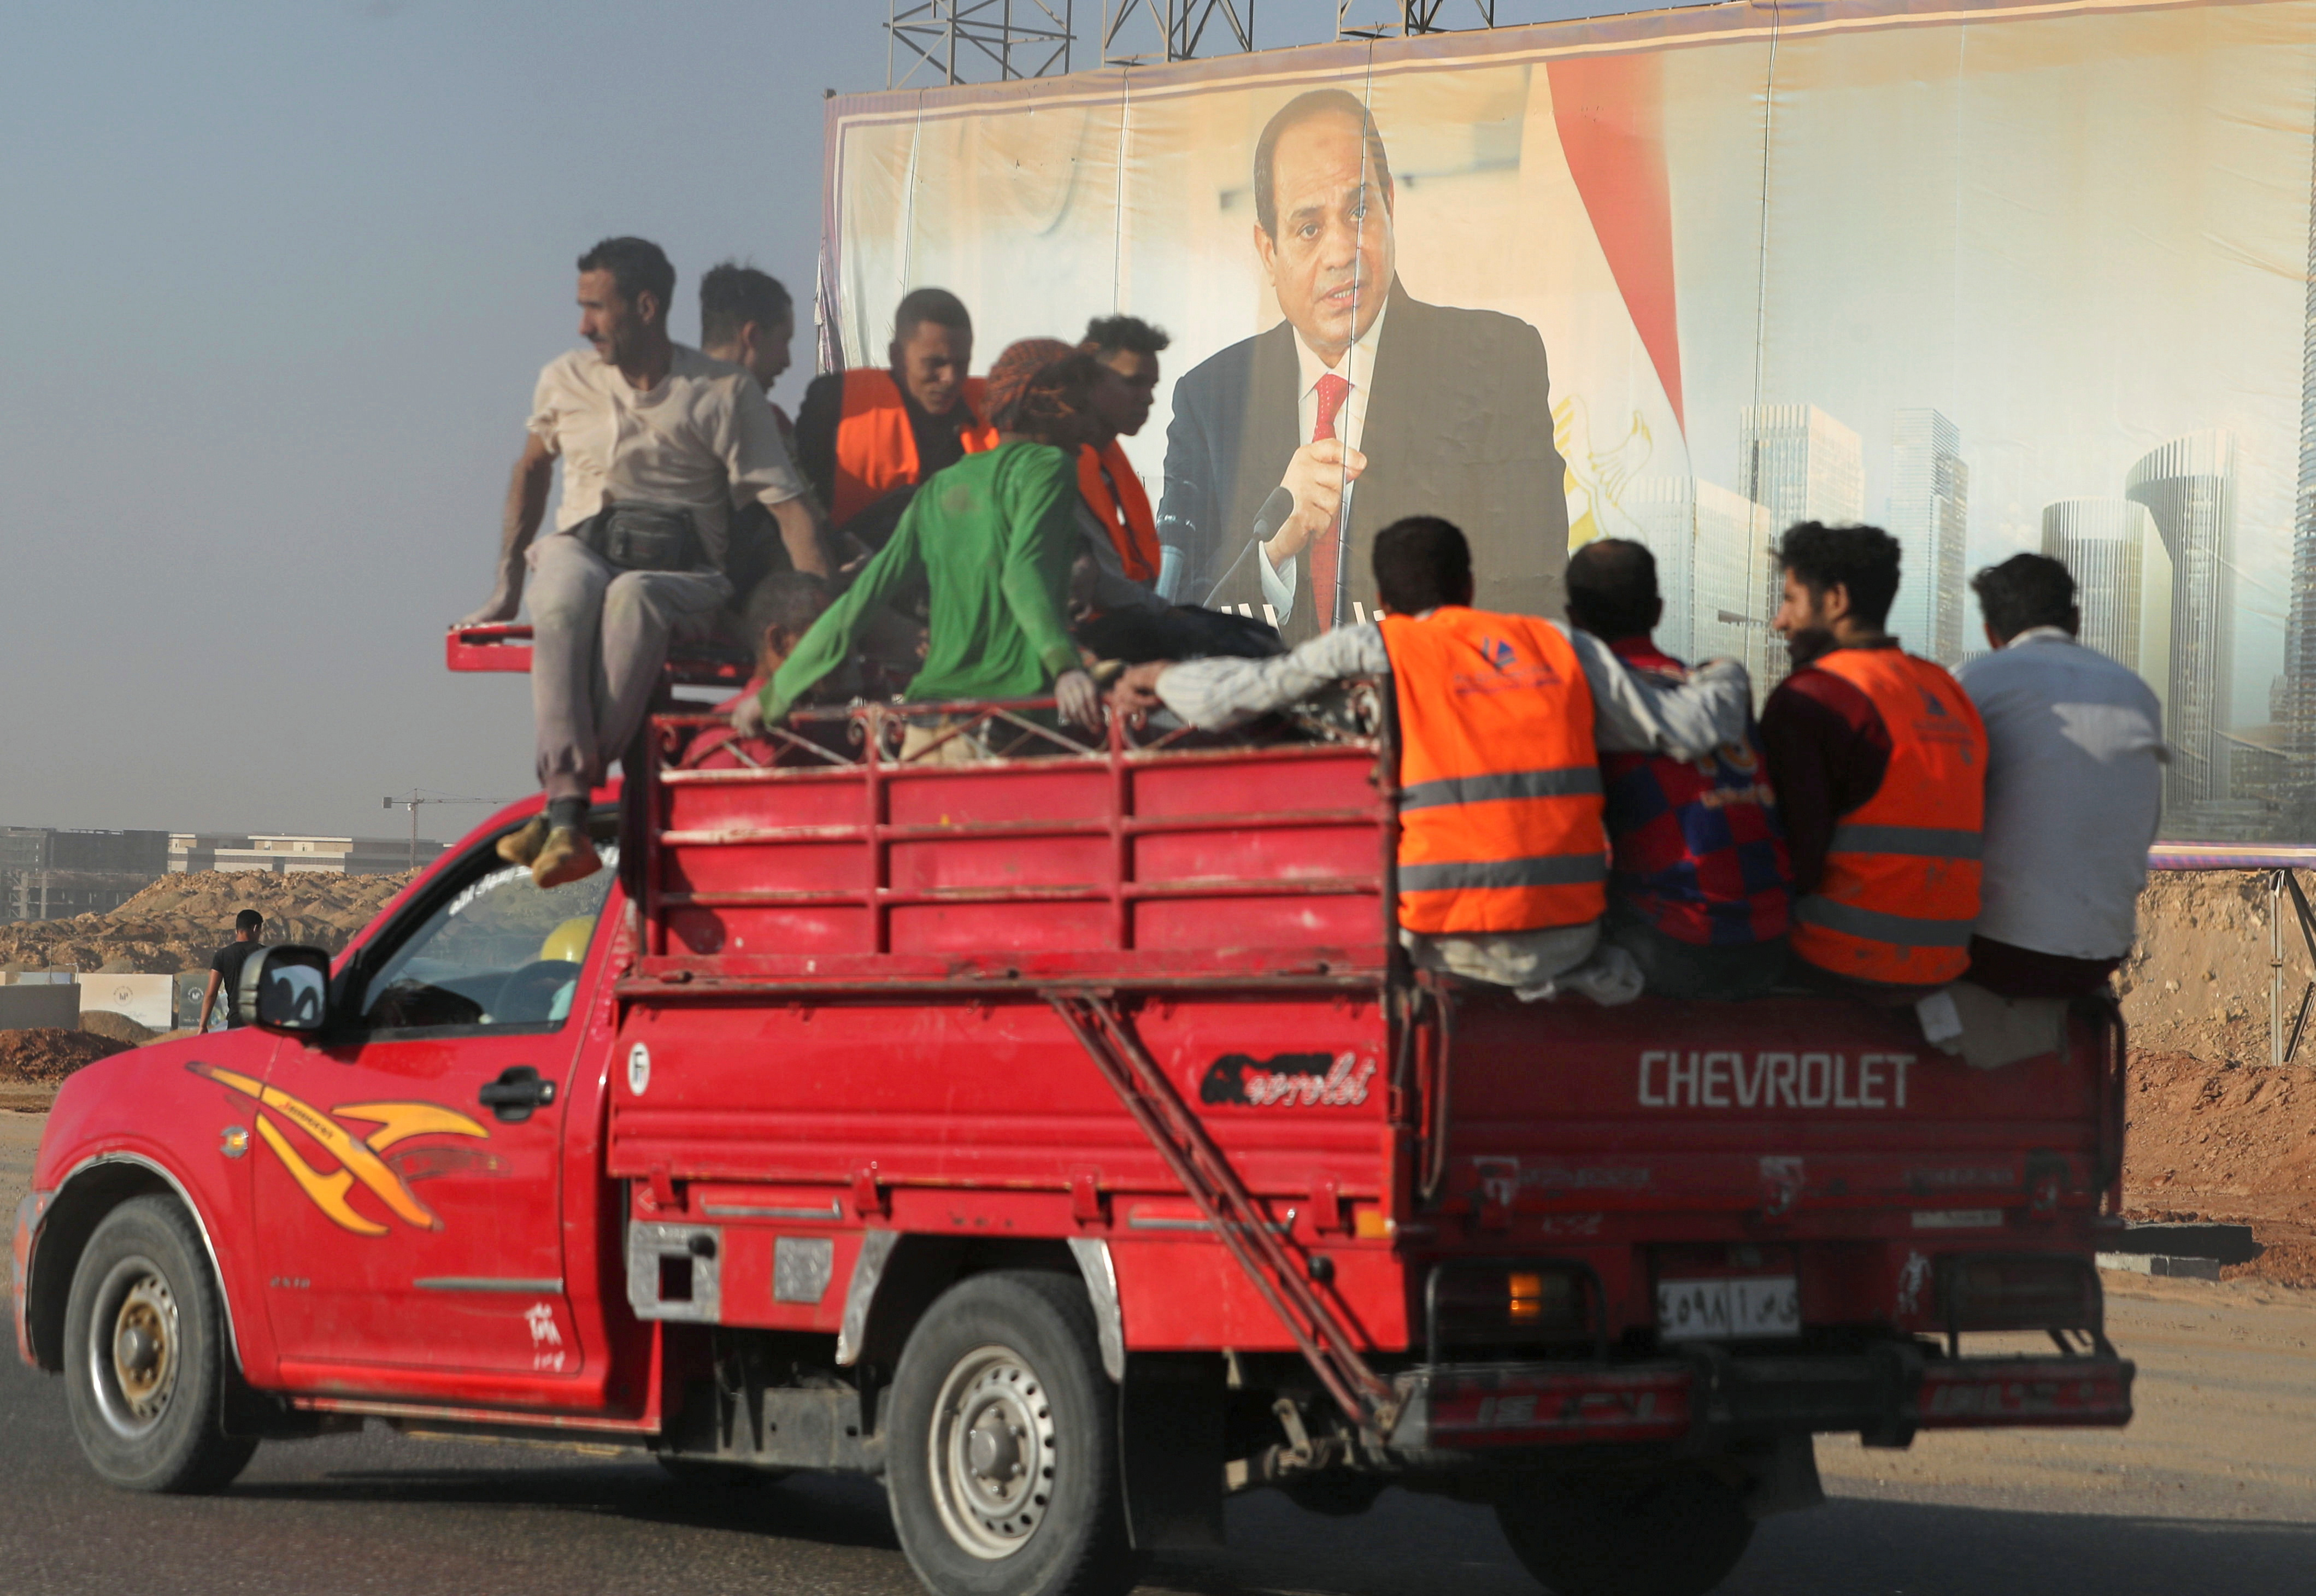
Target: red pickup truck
(1061, 1138)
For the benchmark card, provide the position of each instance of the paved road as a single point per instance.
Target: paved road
(2214, 1489)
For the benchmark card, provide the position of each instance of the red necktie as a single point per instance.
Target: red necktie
(1327, 548)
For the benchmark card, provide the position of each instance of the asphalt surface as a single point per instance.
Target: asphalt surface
(2213, 1489)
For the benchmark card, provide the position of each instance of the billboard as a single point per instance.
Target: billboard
(1996, 277)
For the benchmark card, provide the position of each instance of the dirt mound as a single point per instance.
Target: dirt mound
(120, 1027)
(45, 1055)
(180, 921)
(2197, 982)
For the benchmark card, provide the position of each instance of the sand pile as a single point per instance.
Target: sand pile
(180, 921)
(120, 1027)
(2198, 981)
(45, 1055)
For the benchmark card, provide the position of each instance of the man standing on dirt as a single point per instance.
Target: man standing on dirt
(225, 969)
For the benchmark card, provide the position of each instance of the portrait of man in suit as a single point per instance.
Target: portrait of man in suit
(1288, 449)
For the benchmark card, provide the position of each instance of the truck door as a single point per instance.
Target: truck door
(408, 1194)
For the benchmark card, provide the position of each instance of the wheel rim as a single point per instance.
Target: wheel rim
(993, 1452)
(134, 1342)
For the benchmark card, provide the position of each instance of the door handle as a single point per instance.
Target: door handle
(515, 1093)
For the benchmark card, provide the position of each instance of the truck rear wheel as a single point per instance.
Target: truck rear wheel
(1677, 1533)
(145, 1355)
(1003, 1456)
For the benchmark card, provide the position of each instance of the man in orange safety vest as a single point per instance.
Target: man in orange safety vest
(1878, 759)
(1503, 862)
(867, 438)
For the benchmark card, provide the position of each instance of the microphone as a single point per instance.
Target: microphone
(1274, 513)
(1268, 520)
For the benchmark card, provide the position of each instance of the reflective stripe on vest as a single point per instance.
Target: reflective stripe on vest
(1899, 893)
(1123, 514)
(875, 447)
(1500, 795)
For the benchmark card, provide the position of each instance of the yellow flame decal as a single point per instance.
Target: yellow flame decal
(358, 1159)
(399, 1121)
(329, 1191)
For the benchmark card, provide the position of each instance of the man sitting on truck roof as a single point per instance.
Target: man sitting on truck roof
(1879, 763)
(1502, 856)
(2074, 787)
(867, 438)
(1699, 890)
(993, 538)
(659, 444)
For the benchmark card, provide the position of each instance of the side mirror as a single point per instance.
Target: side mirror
(284, 988)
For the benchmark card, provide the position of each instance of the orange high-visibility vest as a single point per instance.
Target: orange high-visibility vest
(1900, 891)
(1500, 826)
(1126, 516)
(876, 448)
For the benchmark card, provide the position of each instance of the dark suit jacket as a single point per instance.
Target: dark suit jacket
(1459, 425)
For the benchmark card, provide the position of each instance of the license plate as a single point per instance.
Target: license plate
(1717, 1310)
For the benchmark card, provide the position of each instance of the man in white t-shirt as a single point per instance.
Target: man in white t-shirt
(2075, 785)
(659, 445)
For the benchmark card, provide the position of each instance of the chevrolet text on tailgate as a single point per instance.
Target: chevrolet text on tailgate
(1059, 1137)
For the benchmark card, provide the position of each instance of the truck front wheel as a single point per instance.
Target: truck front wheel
(145, 1355)
(1676, 1533)
(1003, 1455)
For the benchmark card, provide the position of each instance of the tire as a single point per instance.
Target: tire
(1676, 1533)
(1002, 1457)
(145, 1355)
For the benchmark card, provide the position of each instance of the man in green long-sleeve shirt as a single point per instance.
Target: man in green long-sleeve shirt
(994, 536)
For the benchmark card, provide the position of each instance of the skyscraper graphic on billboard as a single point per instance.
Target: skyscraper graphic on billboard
(1929, 515)
(1711, 548)
(2189, 486)
(1799, 464)
(2123, 581)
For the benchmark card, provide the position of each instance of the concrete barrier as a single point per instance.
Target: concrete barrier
(151, 1001)
(24, 1007)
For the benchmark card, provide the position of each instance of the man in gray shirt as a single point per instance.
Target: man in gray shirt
(2074, 787)
(659, 446)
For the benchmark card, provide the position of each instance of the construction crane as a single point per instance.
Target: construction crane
(417, 796)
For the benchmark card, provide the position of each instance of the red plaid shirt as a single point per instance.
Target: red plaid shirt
(1696, 847)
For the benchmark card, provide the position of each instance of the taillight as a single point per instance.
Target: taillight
(1482, 1303)
(2018, 1291)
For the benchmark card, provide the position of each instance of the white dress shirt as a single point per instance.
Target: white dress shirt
(2074, 790)
(1357, 367)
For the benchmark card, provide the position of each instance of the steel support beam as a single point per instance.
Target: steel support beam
(1176, 27)
(945, 41)
(1403, 19)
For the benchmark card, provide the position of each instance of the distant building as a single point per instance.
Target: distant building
(2123, 581)
(285, 854)
(2189, 486)
(1929, 515)
(1799, 464)
(53, 873)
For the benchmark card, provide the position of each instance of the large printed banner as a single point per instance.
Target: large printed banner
(1996, 277)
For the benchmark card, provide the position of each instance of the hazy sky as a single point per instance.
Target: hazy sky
(279, 278)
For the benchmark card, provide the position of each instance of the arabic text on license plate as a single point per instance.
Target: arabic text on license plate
(1701, 1310)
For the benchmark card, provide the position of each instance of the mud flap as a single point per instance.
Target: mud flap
(1170, 1435)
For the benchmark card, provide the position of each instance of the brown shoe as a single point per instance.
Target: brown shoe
(522, 845)
(568, 857)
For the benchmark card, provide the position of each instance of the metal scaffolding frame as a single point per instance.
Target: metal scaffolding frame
(1179, 26)
(1404, 18)
(960, 40)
